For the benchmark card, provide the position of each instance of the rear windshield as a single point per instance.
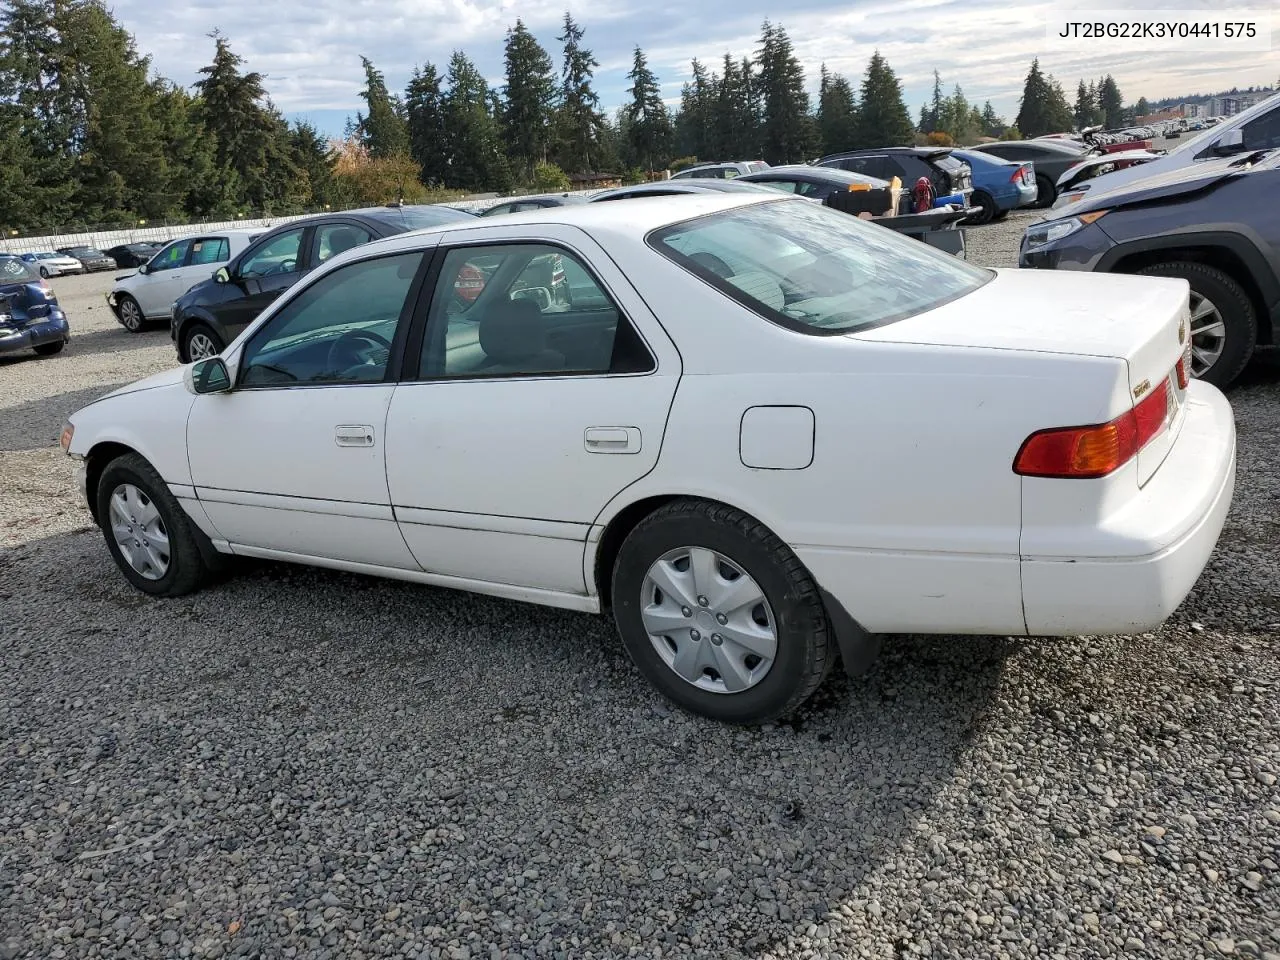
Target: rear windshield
(950, 164)
(813, 269)
(14, 270)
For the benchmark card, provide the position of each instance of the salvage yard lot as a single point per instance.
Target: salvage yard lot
(306, 763)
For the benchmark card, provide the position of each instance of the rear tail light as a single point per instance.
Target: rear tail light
(1184, 363)
(1019, 174)
(1094, 451)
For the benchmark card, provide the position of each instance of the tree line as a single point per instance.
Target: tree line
(90, 135)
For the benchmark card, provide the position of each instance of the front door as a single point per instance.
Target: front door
(290, 463)
(541, 390)
(159, 286)
(263, 274)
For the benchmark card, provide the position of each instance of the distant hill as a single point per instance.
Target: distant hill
(1157, 105)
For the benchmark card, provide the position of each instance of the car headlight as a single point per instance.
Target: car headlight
(1039, 234)
(68, 432)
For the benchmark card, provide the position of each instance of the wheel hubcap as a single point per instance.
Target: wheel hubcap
(1208, 334)
(200, 347)
(130, 314)
(139, 531)
(708, 620)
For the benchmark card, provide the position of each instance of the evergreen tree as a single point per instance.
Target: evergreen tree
(1141, 108)
(1085, 106)
(579, 122)
(837, 113)
(424, 110)
(693, 122)
(1110, 102)
(788, 131)
(735, 134)
(314, 161)
(382, 130)
(1044, 106)
(883, 120)
(472, 136)
(992, 123)
(648, 124)
(933, 118)
(959, 125)
(529, 99)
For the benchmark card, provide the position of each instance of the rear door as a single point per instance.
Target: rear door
(526, 408)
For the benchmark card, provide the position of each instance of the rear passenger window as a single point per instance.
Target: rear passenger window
(525, 310)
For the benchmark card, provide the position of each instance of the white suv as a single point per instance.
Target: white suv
(1257, 128)
(146, 295)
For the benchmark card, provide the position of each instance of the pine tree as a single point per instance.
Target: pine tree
(959, 125)
(1110, 102)
(1084, 108)
(937, 106)
(788, 131)
(693, 122)
(837, 113)
(382, 130)
(648, 124)
(992, 123)
(529, 100)
(578, 121)
(883, 120)
(424, 110)
(472, 136)
(1044, 106)
(1141, 108)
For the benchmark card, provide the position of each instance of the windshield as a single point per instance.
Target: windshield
(1209, 134)
(813, 269)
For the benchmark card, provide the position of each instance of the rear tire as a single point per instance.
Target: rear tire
(1212, 290)
(184, 569)
(129, 314)
(199, 342)
(692, 568)
(49, 349)
(1046, 192)
(982, 199)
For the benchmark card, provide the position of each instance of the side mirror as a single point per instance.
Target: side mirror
(142, 269)
(222, 275)
(1230, 142)
(208, 376)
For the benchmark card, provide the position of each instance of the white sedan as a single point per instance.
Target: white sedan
(762, 433)
(148, 294)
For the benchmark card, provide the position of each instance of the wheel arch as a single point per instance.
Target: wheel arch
(95, 461)
(185, 322)
(1233, 254)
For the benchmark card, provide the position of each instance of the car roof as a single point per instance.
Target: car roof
(1066, 148)
(691, 185)
(830, 174)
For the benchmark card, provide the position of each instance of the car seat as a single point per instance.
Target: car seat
(513, 335)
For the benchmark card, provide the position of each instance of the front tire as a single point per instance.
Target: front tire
(199, 342)
(44, 273)
(719, 614)
(1224, 324)
(149, 535)
(130, 314)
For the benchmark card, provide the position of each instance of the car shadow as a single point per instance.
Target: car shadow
(339, 702)
(118, 340)
(35, 424)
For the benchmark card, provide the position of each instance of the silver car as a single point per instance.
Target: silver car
(52, 264)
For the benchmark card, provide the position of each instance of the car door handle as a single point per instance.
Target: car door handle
(613, 440)
(353, 435)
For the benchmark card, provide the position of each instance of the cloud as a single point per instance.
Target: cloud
(309, 50)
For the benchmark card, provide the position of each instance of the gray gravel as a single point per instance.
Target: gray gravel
(300, 763)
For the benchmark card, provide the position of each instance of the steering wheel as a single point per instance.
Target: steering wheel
(355, 351)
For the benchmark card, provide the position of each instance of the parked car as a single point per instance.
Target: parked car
(91, 258)
(754, 471)
(520, 204)
(30, 317)
(720, 170)
(671, 188)
(1157, 227)
(809, 181)
(947, 173)
(210, 315)
(133, 254)
(998, 185)
(149, 294)
(1257, 128)
(1094, 165)
(50, 264)
(1049, 158)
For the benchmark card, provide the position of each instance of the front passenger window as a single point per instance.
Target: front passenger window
(170, 258)
(338, 330)
(279, 255)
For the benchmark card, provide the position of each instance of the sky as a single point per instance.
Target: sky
(309, 50)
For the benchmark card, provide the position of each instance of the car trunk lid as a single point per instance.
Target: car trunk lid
(1143, 321)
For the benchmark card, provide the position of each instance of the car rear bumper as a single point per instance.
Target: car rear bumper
(1169, 530)
(36, 334)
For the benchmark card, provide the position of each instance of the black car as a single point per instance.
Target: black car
(1050, 158)
(133, 254)
(213, 312)
(521, 204)
(92, 258)
(30, 317)
(807, 180)
(1213, 225)
(948, 174)
(670, 188)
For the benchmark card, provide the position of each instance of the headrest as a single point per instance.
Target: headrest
(341, 240)
(511, 331)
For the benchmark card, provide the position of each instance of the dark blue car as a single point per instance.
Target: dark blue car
(998, 185)
(30, 318)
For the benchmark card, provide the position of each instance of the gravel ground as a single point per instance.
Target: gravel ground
(301, 763)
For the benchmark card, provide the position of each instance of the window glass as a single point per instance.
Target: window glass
(814, 189)
(811, 268)
(210, 250)
(279, 255)
(786, 186)
(1264, 132)
(172, 256)
(525, 310)
(338, 330)
(335, 238)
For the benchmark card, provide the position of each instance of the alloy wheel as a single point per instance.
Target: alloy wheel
(139, 531)
(708, 620)
(200, 346)
(130, 314)
(1208, 334)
